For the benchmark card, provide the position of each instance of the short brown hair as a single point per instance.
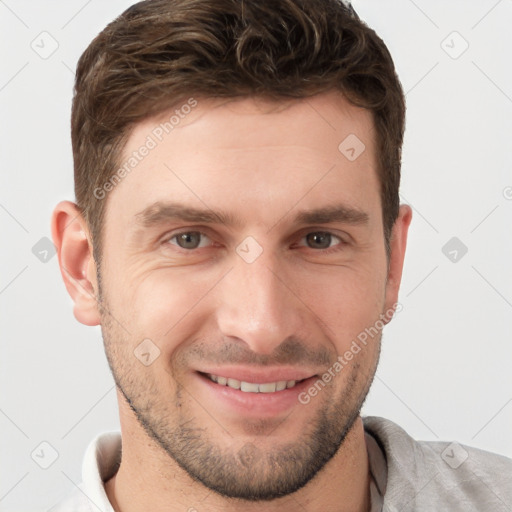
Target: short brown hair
(159, 52)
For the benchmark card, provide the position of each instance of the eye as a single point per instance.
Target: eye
(321, 240)
(190, 240)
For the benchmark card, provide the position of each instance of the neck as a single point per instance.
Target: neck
(149, 480)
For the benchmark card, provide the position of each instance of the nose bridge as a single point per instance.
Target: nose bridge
(256, 306)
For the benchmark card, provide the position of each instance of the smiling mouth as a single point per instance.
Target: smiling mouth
(253, 387)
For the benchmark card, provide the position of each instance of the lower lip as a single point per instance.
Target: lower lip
(255, 404)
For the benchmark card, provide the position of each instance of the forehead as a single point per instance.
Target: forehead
(252, 155)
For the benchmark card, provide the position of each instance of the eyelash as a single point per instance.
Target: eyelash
(328, 250)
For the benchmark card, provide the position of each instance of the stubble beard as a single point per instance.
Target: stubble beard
(248, 473)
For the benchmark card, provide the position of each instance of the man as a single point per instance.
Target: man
(238, 236)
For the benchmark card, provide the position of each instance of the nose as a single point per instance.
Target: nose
(258, 305)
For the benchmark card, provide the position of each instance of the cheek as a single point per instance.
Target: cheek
(171, 305)
(347, 300)
(164, 304)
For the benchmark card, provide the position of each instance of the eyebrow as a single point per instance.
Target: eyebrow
(337, 213)
(161, 212)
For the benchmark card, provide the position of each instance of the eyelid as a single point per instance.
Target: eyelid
(325, 231)
(342, 235)
(173, 234)
(344, 238)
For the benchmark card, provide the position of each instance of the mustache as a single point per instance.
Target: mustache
(291, 351)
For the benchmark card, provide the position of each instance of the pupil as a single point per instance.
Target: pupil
(320, 240)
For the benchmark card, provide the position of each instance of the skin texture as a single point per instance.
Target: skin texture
(295, 308)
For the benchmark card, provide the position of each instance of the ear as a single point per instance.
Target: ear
(78, 268)
(398, 244)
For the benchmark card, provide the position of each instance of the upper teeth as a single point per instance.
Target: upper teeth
(252, 387)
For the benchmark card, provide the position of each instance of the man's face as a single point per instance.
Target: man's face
(247, 246)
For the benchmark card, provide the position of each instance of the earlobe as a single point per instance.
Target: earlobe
(398, 244)
(77, 266)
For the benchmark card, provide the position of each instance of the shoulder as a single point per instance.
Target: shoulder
(100, 463)
(75, 502)
(425, 475)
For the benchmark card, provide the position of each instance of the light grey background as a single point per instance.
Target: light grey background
(445, 367)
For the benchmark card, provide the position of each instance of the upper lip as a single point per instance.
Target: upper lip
(259, 375)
